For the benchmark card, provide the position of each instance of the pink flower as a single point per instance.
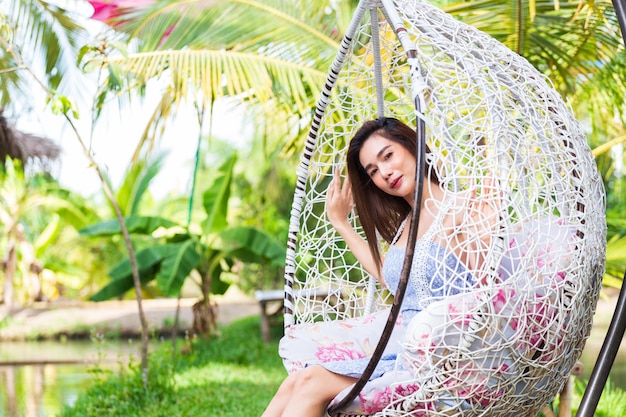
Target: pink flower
(105, 11)
(337, 352)
(540, 262)
(501, 298)
(456, 315)
(406, 389)
(473, 386)
(535, 320)
(295, 366)
(378, 402)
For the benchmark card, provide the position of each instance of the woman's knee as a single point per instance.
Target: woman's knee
(288, 384)
(319, 382)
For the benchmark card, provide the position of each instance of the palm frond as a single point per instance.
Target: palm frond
(47, 37)
(563, 40)
(287, 30)
(221, 73)
(615, 260)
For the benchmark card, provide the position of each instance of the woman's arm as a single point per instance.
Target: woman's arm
(339, 203)
(483, 219)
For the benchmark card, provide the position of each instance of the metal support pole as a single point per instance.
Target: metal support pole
(607, 355)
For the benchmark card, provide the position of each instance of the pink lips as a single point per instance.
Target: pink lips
(396, 182)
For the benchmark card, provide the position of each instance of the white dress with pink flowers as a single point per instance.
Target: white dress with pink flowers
(441, 300)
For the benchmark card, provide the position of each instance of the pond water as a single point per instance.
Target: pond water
(33, 389)
(38, 378)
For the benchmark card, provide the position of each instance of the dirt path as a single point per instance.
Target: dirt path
(120, 317)
(72, 319)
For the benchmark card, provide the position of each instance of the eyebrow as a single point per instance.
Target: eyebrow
(383, 149)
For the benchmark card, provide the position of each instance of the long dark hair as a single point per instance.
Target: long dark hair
(378, 211)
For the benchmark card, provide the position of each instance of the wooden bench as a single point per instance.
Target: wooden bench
(277, 297)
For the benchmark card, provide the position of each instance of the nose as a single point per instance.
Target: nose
(385, 171)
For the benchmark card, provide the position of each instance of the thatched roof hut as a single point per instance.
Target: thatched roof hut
(28, 148)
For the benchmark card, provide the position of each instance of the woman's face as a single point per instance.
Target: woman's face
(389, 165)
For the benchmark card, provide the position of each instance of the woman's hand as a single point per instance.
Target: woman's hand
(339, 204)
(484, 209)
(339, 201)
(483, 221)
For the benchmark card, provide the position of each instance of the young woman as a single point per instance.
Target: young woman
(324, 359)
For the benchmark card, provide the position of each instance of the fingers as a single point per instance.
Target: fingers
(489, 189)
(337, 176)
(493, 190)
(339, 201)
(347, 188)
(333, 186)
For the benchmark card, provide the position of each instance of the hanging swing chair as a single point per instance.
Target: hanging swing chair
(507, 346)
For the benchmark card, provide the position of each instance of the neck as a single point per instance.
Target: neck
(431, 190)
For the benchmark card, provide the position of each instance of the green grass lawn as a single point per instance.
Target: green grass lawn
(234, 375)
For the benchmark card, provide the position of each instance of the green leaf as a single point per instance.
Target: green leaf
(146, 258)
(135, 224)
(48, 236)
(136, 182)
(118, 287)
(215, 199)
(249, 244)
(115, 81)
(60, 104)
(180, 260)
(218, 286)
(170, 264)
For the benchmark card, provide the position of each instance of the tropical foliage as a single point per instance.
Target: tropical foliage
(49, 37)
(176, 253)
(272, 56)
(36, 215)
(201, 57)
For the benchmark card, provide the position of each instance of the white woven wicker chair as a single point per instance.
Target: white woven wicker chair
(483, 111)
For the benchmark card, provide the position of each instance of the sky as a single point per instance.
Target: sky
(116, 136)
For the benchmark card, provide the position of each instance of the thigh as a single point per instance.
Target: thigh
(341, 340)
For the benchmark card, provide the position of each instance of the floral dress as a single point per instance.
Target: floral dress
(440, 303)
(345, 346)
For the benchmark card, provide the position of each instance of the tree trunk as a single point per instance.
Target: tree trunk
(204, 318)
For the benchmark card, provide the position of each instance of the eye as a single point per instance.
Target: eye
(388, 155)
(373, 171)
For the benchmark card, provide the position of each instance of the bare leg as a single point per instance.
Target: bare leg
(281, 398)
(314, 388)
(307, 393)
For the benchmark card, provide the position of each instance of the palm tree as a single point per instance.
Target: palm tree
(577, 45)
(568, 41)
(273, 55)
(267, 55)
(49, 37)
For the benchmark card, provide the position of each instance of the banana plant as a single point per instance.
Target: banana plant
(175, 252)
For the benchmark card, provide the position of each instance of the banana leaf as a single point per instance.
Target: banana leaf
(134, 224)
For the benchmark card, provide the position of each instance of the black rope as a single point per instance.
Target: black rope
(420, 156)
